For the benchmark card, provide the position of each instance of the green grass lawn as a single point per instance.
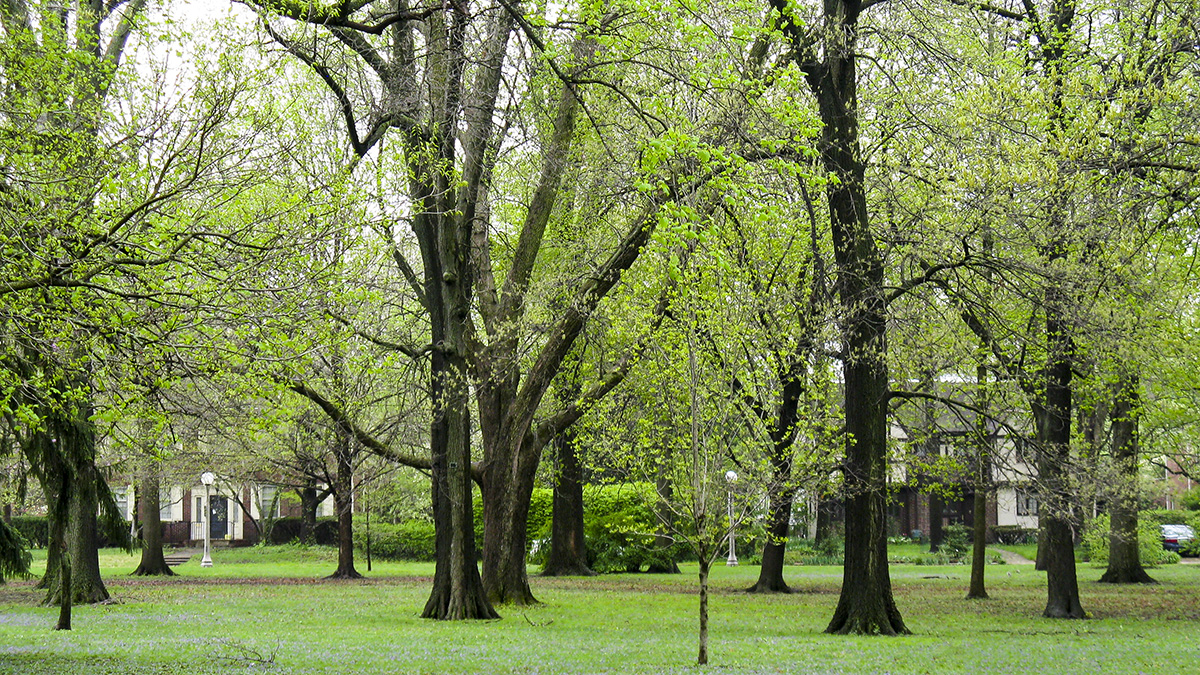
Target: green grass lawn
(259, 611)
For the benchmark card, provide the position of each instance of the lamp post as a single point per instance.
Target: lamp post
(730, 479)
(207, 478)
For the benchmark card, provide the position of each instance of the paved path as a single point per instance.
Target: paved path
(1011, 558)
(180, 556)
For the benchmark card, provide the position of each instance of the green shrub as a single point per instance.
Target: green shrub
(1150, 550)
(1171, 517)
(620, 526)
(1014, 534)
(410, 540)
(1191, 499)
(956, 539)
(622, 531)
(35, 529)
(1190, 548)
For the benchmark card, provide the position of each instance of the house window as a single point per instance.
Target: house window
(198, 514)
(268, 504)
(1027, 504)
(122, 497)
(165, 512)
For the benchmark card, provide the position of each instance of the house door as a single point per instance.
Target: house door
(218, 517)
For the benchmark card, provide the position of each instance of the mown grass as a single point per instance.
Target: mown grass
(266, 611)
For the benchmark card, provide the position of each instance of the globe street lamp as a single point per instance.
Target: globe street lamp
(207, 478)
(730, 479)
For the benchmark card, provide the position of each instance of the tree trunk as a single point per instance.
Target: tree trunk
(823, 518)
(87, 586)
(64, 593)
(770, 574)
(664, 492)
(55, 546)
(979, 544)
(936, 516)
(506, 500)
(153, 562)
(1124, 562)
(983, 472)
(458, 591)
(343, 498)
(866, 604)
(308, 512)
(568, 549)
(705, 564)
(1057, 543)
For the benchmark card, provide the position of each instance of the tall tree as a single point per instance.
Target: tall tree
(829, 57)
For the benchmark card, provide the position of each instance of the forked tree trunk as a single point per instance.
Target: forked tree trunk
(458, 591)
(568, 549)
(343, 498)
(153, 561)
(1124, 561)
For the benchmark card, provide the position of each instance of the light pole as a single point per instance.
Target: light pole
(730, 479)
(207, 478)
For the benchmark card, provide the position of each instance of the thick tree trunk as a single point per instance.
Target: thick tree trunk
(824, 528)
(979, 544)
(866, 604)
(457, 587)
(1124, 562)
(64, 593)
(936, 515)
(506, 500)
(343, 499)
(308, 512)
(87, 586)
(458, 591)
(1057, 543)
(770, 574)
(153, 562)
(568, 549)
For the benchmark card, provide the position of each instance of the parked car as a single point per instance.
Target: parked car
(1175, 535)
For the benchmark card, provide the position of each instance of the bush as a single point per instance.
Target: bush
(35, 529)
(956, 539)
(410, 540)
(1171, 517)
(1190, 548)
(1191, 499)
(289, 530)
(1150, 550)
(1014, 534)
